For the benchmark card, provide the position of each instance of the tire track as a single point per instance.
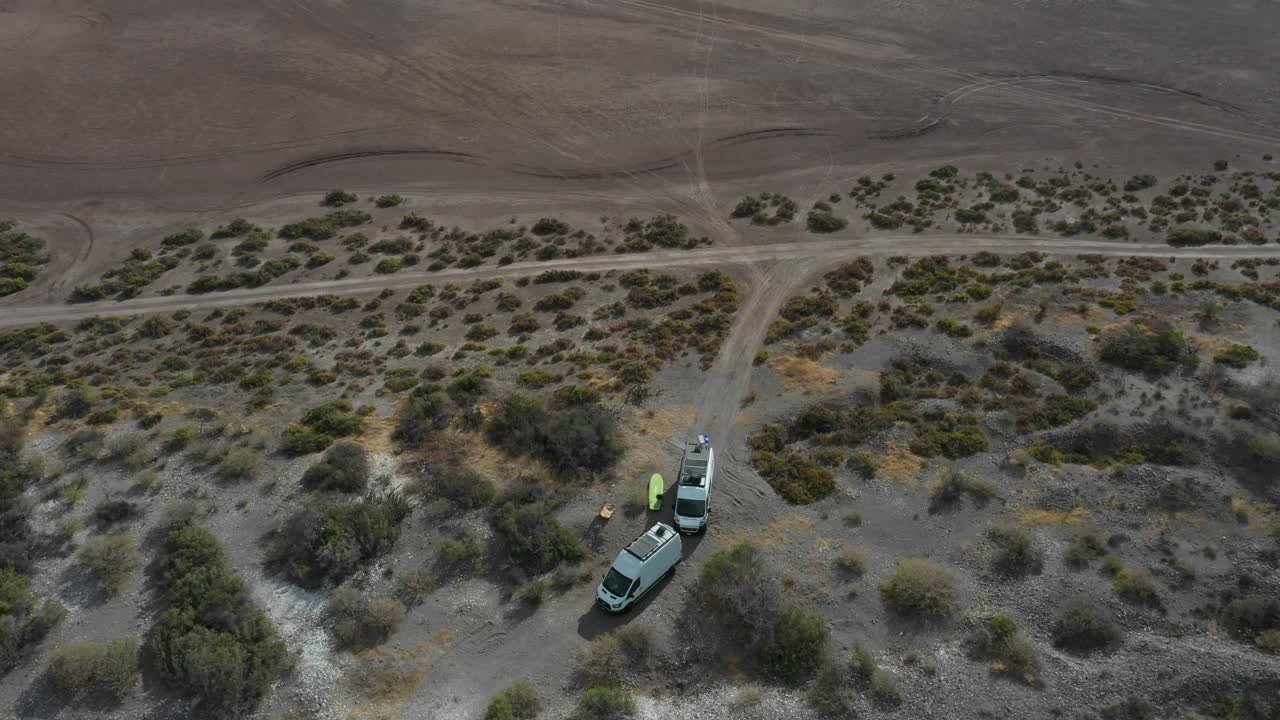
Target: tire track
(845, 46)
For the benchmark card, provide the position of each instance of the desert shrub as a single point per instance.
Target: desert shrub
(884, 689)
(1135, 585)
(112, 512)
(733, 584)
(333, 418)
(111, 559)
(952, 435)
(998, 641)
(238, 464)
(359, 622)
(1189, 237)
(299, 440)
(389, 200)
(826, 695)
(798, 478)
(344, 468)
(601, 663)
(518, 702)
(1141, 350)
(1253, 618)
(921, 589)
(1083, 628)
(108, 669)
(851, 560)
(797, 647)
(76, 402)
(23, 620)
(583, 437)
(423, 414)
(1237, 356)
(462, 553)
(464, 488)
(824, 221)
(415, 586)
(1016, 556)
(332, 540)
(338, 198)
(213, 641)
(549, 226)
(604, 704)
(535, 538)
(580, 437)
(954, 485)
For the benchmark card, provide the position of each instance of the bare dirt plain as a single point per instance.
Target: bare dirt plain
(126, 124)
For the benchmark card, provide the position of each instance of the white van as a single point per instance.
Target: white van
(693, 488)
(638, 568)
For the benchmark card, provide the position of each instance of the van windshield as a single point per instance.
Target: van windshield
(687, 507)
(616, 583)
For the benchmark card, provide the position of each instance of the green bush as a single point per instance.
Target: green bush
(733, 584)
(334, 539)
(462, 554)
(601, 663)
(797, 477)
(107, 669)
(535, 538)
(112, 559)
(579, 437)
(604, 704)
(1135, 585)
(1017, 556)
(213, 641)
(299, 440)
(1082, 628)
(386, 201)
(423, 414)
(824, 221)
(1190, 237)
(952, 435)
(921, 589)
(334, 418)
(344, 468)
(1237, 356)
(1142, 350)
(798, 646)
(518, 702)
(338, 198)
(1253, 618)
(23, 621)
(464, 488)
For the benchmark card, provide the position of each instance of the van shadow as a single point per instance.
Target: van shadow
(595, 621)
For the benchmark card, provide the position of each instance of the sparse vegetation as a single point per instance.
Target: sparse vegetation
(112, 559)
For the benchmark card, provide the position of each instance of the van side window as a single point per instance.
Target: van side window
(634, 587)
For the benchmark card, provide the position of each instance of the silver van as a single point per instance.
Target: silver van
(638, 568)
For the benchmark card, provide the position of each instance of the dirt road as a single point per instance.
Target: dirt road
(16, 313)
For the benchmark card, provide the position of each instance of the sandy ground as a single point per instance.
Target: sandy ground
(126, 121)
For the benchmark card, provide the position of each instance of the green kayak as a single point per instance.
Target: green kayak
(656, 486)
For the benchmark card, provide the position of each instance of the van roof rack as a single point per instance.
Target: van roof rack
(647, 544)
(693, 466)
